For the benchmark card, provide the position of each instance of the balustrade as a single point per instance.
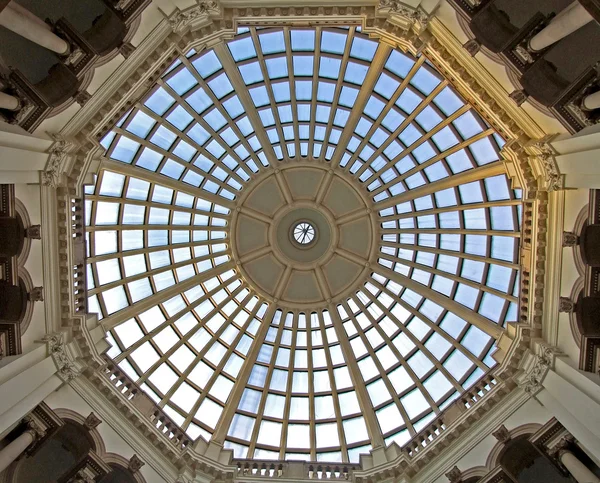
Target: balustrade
(155, 414)
(294, 470)
(330, 472)
(299, 470)
(478, 391)
(264, 469)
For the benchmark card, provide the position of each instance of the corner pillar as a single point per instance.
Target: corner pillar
(576, 468)
(579, 413)
(21, 23)
(16, 448)
(576, 157)
(566, 22)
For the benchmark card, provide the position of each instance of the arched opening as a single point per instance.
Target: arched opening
(12, 236)
(13, 301)
(526, 464)
(57, 456)
(498, 22)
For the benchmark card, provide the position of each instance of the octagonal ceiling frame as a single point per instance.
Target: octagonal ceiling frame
(436, 43)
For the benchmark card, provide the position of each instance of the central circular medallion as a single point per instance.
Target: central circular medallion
(303, 234)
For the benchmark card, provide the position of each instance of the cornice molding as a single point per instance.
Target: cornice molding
(181, 20)
(555, 249)
(50, 258)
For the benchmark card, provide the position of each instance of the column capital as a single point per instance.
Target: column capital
(57, 160)
(535, 366)
(82, 477)
(65, 362)
(34, 428)
(562, 445)
(37, 432)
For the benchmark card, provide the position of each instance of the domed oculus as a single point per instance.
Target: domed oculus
(390, 181)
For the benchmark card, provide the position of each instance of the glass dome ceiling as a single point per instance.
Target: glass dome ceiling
(316, 358)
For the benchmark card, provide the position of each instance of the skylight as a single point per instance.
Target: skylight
(267, 380)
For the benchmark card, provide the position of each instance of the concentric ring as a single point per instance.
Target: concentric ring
(326, 270)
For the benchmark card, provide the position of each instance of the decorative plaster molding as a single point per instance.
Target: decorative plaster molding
(569, 239)
(56, 162)
(181, 20)
(472, 47)
(454, 475)
(135, 463)
(565, 304)
(126, 49)
(125, 427)
(34, 232)
(92, 421)
(541, 364)
(67, 369)
(36, 294)
(82, 97)
(553, 176)
(553, 179)
(397, 7)
(552, 276)
(502, 434)
(519, 96)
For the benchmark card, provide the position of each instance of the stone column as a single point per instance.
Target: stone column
(566, 22)
(592, 101)
(15, 20)
(8, 102)
(15, 449)
(32, 16)
(577, 469)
